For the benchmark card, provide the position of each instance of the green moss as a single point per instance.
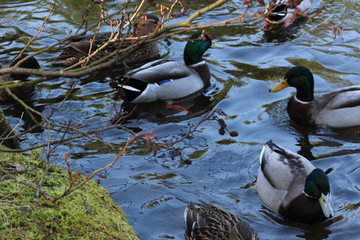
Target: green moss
(87, 213)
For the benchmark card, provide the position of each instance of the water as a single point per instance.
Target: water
(153, 191)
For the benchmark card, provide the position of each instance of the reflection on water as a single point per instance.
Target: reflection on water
(310, 232)
(154, 191)
(280, 33)
(15, 110)
(174, 111)
(333, 138)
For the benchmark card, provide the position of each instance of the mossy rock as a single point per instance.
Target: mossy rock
(87, 213)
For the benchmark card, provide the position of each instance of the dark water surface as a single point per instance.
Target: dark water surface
(153, 191)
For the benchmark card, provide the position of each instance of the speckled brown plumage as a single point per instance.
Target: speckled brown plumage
(211, 222)
(79, 47)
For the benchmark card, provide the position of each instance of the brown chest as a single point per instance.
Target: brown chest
(300, 112)
(204, 72)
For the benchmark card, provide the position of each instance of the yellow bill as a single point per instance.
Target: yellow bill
(325, 203)
(283, 84)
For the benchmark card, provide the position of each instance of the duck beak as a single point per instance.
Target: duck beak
(216, 45)
(283, 84)
(325, 203)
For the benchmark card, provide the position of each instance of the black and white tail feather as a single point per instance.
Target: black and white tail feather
(136, 90)
(133, 87)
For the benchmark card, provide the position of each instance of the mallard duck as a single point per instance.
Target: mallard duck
(167, 80)
(211, 222)
(21, 92)
(290, 185)
(280, 11)
(338, 108)
(80, 46)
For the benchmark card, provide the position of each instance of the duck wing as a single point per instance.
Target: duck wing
(161, 70)
(282, 166)
(281, 175)
(80, 46)
(338, 108)
(340, 98)
(83, 46)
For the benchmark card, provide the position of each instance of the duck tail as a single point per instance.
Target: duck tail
(266, 151)
(279, 11)
(190, 216)
(278, 149)
(130, 88)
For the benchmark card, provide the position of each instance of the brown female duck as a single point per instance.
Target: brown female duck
(79, 48)
(211, 222)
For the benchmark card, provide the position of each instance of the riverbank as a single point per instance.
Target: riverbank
(87, 213)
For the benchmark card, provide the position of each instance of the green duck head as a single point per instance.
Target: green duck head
(317, 186)
(196, 47)
(300, 78)
(30, 63)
